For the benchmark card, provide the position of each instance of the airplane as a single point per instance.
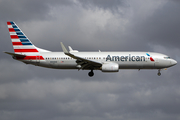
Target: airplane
(25, 51)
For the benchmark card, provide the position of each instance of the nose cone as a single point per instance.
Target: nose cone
(173, 62)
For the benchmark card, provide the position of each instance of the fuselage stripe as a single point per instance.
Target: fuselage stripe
(31, 58)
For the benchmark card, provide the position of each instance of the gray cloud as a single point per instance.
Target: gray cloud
(31, 92)
(101, 99)
(113, 6)
(25, 10)
(161, 27)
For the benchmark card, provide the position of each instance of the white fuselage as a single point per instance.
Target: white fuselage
(125, 60)
(27, 52)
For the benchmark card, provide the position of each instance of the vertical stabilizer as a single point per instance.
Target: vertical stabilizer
(20, 42)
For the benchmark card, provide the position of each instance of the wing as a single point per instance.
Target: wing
(82, 62)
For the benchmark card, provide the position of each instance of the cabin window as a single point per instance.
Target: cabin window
(167, 57)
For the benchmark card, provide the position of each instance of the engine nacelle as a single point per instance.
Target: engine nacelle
(110, 67)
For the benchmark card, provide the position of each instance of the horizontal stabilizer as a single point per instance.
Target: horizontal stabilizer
(14, 54)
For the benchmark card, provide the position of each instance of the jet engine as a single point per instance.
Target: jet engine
(110, 67)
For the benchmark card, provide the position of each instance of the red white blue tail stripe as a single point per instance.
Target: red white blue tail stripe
(21, 43)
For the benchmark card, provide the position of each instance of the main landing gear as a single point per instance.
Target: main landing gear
(159, 73)
(91, 73)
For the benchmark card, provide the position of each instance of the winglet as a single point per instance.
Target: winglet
(64, 48)
(70, 48)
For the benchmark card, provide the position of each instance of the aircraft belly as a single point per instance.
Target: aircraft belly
(162, 64)
(62, 64)
(67, 66)
(136, 65)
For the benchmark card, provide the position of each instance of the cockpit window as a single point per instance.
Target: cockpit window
(167, 57)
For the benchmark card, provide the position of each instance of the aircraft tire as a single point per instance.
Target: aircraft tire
(91, 74)
(159, 74)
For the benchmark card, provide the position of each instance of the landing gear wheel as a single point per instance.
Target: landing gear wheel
(91, 74)
(159, 73)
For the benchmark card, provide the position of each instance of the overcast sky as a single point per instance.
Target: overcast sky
(33, 93)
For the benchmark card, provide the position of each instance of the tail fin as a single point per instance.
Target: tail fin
(21, 44)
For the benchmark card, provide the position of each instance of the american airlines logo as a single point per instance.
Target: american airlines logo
(125, 58)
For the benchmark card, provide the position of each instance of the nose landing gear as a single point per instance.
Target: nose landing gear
(91, 73)
(159, 73)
